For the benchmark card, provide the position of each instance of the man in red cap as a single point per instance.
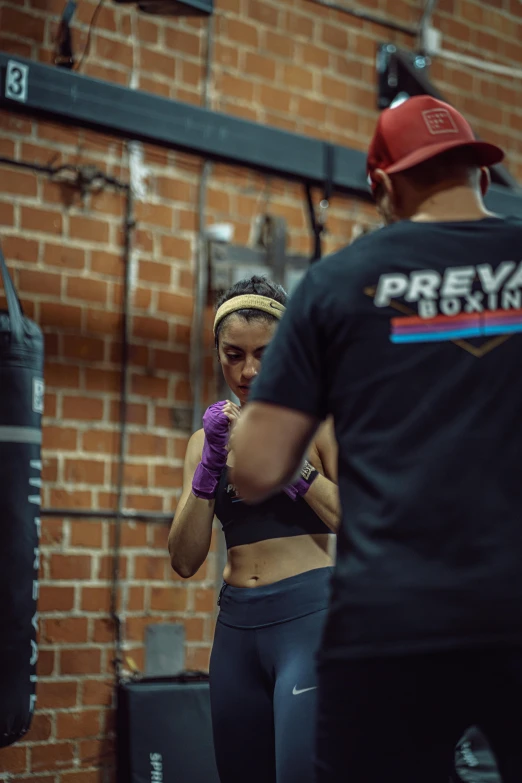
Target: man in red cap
(439, 165)
(411, 338)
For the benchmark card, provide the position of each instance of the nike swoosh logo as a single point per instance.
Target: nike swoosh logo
(295, 692)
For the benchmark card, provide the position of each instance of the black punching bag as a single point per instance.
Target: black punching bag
(21, 407)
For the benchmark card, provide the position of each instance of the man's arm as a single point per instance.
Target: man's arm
(269, 444)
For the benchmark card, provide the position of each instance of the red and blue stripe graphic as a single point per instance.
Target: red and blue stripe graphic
(413, 329)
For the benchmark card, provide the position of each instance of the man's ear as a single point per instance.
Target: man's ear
(485, 180)
(383, 179)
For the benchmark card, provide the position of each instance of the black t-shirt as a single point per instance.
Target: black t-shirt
(412, 339)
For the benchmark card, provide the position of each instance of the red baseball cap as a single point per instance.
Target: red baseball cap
(418, 129)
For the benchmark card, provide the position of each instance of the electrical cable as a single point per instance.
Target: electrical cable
(86, 174)
(89, 34)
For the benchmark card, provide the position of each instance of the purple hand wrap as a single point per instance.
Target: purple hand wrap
(297, 490)
(303, 483)
(214, 456)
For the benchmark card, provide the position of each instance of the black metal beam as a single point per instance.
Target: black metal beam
(73, 98)
(69, 97)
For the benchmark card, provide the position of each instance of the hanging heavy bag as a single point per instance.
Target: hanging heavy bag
(21, 407)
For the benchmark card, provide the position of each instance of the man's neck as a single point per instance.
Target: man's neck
(459, 203)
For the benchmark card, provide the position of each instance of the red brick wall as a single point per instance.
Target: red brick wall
(290, 64)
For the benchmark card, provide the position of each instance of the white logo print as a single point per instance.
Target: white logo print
(156, 767)
(38, 395)
(295, 692)
(468, 755)
(456, 304)
(454, 291)
(439, 121)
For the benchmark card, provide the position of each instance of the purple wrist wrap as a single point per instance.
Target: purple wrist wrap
(298, 489)
(303, 483)
(214, 455)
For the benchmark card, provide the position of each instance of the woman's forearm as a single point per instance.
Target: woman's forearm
(323, 498)
(190, 535)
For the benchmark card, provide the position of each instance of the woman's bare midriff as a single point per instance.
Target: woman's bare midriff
(254, 565)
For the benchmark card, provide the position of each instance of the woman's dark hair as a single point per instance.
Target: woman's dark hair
(259, 286)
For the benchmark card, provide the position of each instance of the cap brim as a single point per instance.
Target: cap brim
(487, 154)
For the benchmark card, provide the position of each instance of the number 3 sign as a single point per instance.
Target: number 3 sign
(16, 80)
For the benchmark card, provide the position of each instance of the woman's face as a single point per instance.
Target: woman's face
(241, 346)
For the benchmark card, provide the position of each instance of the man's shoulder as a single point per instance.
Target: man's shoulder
(378, 246)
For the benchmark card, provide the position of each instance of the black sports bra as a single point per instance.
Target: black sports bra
(277, 517)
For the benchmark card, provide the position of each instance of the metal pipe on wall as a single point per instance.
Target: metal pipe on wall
(127, 515)
(129, 224)
(201, 266)
(201, 289)
(425, 24)
(367, 17)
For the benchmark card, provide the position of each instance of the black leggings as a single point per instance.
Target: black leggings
(263, 679)
(399, 719)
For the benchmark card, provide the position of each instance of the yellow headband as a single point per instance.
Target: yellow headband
(249, 302)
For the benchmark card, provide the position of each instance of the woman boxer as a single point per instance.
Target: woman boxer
(276, 580)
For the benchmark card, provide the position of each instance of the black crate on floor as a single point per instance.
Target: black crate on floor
(164, 730)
